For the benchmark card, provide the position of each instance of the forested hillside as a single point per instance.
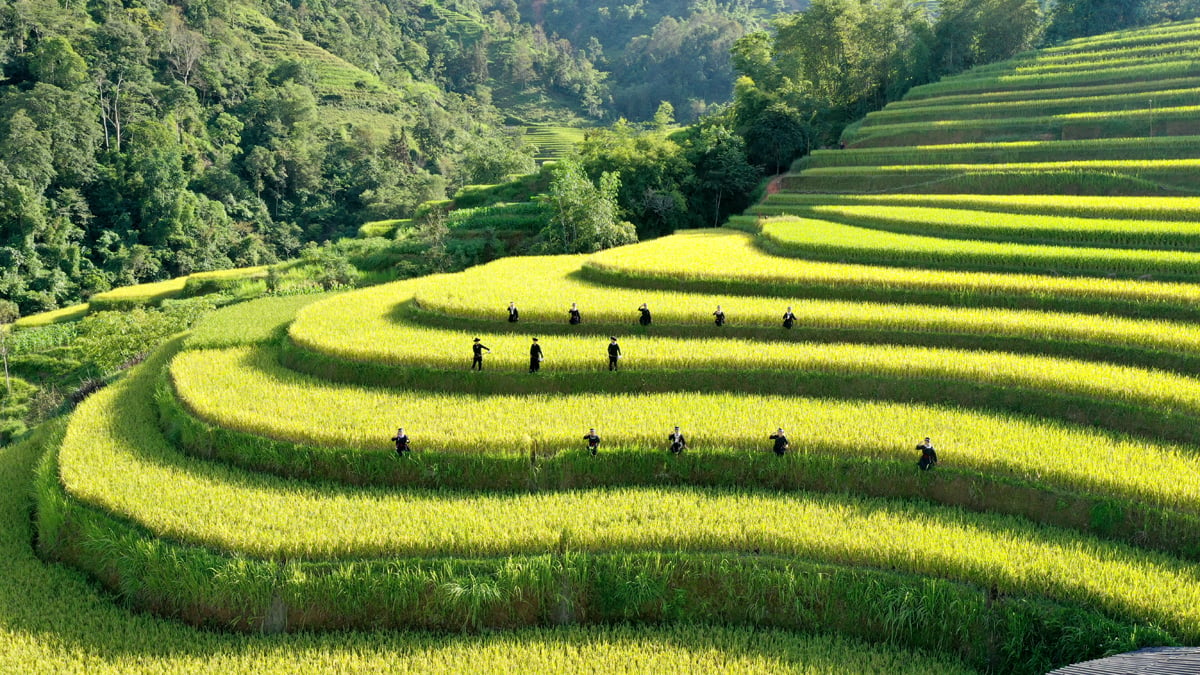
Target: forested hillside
(142, 140)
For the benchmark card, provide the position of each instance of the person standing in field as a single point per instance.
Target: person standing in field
(401, 441)
(928, 455)
(781, 442)
(644, 319)
(789, 319)
(678, 442)
(614, 353)
(575, 319)
(593, 441)
(513, 315)
(535, 356)
(720, 316)
(477, 350)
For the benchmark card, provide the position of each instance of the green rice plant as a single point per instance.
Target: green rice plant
(1057, 230)
(1174, 147)
(1163, 98)
(1137, 86)
(246, 323)
(247, 390)
(821, 239)
(1075, 206)
(381, 228)
(140, 295)
(478, 297)
(54, 621)
(62, 315)
(116, 461)
(746, 269)
(1155, 70)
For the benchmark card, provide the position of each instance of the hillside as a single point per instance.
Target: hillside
(1018, 282)
(146, 141)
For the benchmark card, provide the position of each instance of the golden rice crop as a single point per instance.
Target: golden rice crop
(1078, 206)
(112, 457)
(544, 286)
(690, 255)
(967, 224)
(247, 390)
(825, 239)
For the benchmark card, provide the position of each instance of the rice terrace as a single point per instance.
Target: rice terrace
(1004, 260)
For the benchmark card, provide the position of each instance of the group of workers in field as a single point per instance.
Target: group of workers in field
(677, 443)
(574, 318)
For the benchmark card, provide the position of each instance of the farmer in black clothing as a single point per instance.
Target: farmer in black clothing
(781, 442)
(593, 441)
(928, 455)
(789, 319)
(614, 353)
(645, 312)
(477, 350)
(513, 314)
(720, 316)
(574, 313)
(678, 442)
(535, 356)
(401, 440)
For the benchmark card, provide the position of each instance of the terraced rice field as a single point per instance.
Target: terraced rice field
(242, 480)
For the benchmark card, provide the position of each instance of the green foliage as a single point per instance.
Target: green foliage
(111, 340)
(583, 215)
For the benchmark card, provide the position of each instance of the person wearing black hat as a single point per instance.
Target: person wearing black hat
(678, 442)
(477, 350)
(401, 441)
(720, 316)
(513, 314)
(535, 356)
(781, 442)
(644, 319)
(928, 455)
(593, 441)
(614, 353)
(789, 319)
(575, 319)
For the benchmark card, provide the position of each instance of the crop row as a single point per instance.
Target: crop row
(1076, 206)
(1016, 228)
(822, 239)
(1017, 152)
(263, 399)
(1144, 87)
(52, 620)
(1161, 70)
(1177, 121)
(113, 458)
(543, 286)
(746, 269)
(1162, 98)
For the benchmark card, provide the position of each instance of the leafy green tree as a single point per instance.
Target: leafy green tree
(585, 215)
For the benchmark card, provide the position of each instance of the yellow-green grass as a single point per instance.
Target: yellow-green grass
(1166, 69)
(544, 286)
(685, 260)
(1016, 228)
(1146, 87)
(61, 315)
(112, 458)
(1185, 42)
(245, 389)
(1079, 206)
(381, 228)
(822, 239)
(128, 297)
(1115, 165)
(1158, 147)
(1037, 107)
(250, 322)
(1170, 121)
(52, 620)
